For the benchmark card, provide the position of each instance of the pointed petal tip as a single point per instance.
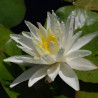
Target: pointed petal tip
(26, 21)
(53, 12)
(77, 89)
(8, 59)
(94, 67)
(5, 60)
(96, 33)
(12, 85)
(39, 24)
(11, 35)
(48, 13)
(14, 36)
(76, 86)
(29, 83)
(69, 76)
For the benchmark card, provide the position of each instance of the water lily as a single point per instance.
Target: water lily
(54, 50)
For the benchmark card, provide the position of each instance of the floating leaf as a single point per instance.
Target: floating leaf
(83, 94)
(8, 48)
(11, 12)
(88, 90)
(88, 76)
(6, 78)
(89, 4)
(87, 22)
(83, 16)
(9, 71)
(4, 34)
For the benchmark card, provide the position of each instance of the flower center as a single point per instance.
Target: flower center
(46, 42)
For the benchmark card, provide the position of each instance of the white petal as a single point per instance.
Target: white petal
(41, 50)
(32, 28)
(26, 75)
(83, 41)
(30, 52)
(80, 19)
(71, 42)
(37, 60)
(69, 76)
(82, 64)
(53, 24)
(70, 25)
(49, 59)
(26, 34)
(25, 59)
(24, 41)
(68, 29)
(41, 73)
(39, 46)
(48, 21)
(53, 71)
(77, 54)
(60, 54)
(19, 59)
(42, 30)
(64, 34)
(52, 21)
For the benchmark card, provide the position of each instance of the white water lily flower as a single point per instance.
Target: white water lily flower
(55, 50)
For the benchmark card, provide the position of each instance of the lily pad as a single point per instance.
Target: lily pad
(9, 71)
(8, 48)
(4, 33)
(88, 23)
(83, 16)
(5, 78)
(89, 4)
(82, 94)
(11, 12)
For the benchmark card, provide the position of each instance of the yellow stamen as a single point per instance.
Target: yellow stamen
(47, 41)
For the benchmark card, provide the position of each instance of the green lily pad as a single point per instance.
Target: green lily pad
(11, 12)
(9, 71)
(4, 33)
(89, 4)
(88, 23)
(84, 17)
(8, 48)
(88, 76)
(6, 78)
(82, 94)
